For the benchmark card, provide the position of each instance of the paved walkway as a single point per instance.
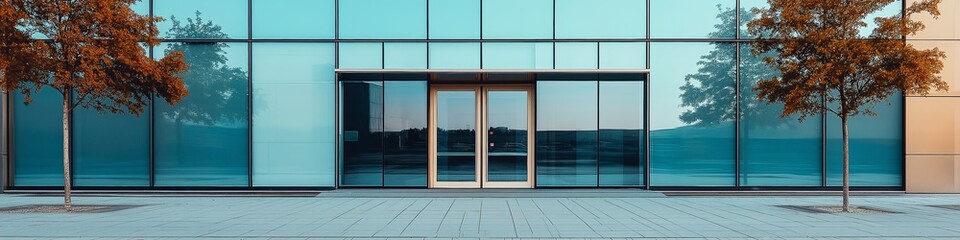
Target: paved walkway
(342, 217)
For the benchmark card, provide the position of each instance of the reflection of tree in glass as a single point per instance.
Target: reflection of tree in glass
(711, 91)
(216, 89)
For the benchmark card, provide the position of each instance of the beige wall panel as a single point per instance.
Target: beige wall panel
(932, 124)
(951, 65)
(946, 26)
(932, 174)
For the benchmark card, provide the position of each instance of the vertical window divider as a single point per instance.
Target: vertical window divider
(383, 127)
(150, 124)
(249, 93)
(338, 155)
(736, 108)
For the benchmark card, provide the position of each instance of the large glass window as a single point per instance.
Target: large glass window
(774, 151)
(511, 19)
(601, 19)
(293, 130)
(455, 55)
(621, 133)
(287, 18)
(566, 146)
(693, 19)
(692, 114)
(379, 19)
(876, 157)
(454, 19)
(362, 125)
(202, 141)
(361, 55)
(38, 139)
(111, 149)
(405, 133)
(518, 55)
(405, 55)
(577, 55)
(623, 55)
(187, 18)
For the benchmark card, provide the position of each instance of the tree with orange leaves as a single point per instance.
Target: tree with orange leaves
(828, 66)
(93, 54)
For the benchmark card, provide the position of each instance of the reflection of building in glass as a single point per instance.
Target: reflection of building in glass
(267, 108)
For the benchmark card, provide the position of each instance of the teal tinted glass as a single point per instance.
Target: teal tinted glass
(455, 55)
(567, 149)
(405, 133)
(405, 56)
(111, 149)
(378, 19)
(362, 146)
(294, 19)
(518, 55)
(454, 19)
(692, 19)
(692, 109)
(622, 134)
(623, 55)
(510, 19)
(141, 7)
(293, 138)
(876, 157)
(361, 55)
(202, 141)
(38, 139)
(601, 19)
(774, 151)
(186, 18)
(890, 10)
(577, 55)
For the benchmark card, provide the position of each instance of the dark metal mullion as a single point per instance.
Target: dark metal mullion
(737, 17)
(823, 142)
(646, 105)
(249, 93)
(336, 96)
(737, 112)
(151, 159)
(903, 119)
(383, 126)
(598, 119)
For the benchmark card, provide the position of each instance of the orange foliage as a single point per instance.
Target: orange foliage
(94, 49)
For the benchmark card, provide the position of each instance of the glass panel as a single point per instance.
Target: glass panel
(580, 55)
(692, 114)
(405, 56)
(507, 136)
(361, 55)
(229, 18)
(454, 55)
(892, 9)
(692, 19)
(405, 133)
(601, 19)
(774, 151)
(876, 157)
(511, 19)
(518, 55)
(38, 139)
(621, 134)
(379, 19)
(141, 7)
(293, 134)
(623, 55)
(286, 18)
(456, 136)
(362, 134)
(566, 133)
(202, 141)
(111, 149)
(747, 15)
(454, 19)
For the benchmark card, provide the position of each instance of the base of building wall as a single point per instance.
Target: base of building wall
(933, 173)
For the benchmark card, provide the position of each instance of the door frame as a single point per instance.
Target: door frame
(480, 159)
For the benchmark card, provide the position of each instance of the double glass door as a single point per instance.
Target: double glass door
(481, 136)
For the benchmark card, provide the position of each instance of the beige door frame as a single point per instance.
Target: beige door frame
(480, 160)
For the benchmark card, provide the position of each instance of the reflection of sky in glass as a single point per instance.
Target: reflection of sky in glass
(235, 53)
(517, 19)
(405, 55)
(891, 9)
(517, 55)
(686, 19)
(456, 110)
(368, 19)
(601, 19)
(577, 55)
(669, 65)
(507, 109)
(621, 105)
(459, 19)
(231, 15)
(405, 105)
(455, 55)
(566, 106)
(285, 18)
(361, 55)
(623, 55)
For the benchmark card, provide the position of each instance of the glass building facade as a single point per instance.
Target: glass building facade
(350, 93)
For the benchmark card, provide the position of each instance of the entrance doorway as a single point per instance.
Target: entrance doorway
(481, 136)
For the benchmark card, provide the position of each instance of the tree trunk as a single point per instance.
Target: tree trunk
(66, 151)
(846, 165)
